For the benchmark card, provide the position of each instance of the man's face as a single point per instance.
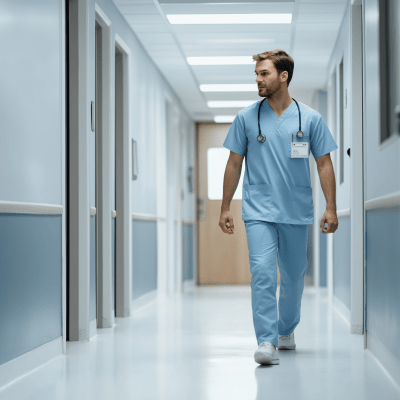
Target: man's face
(267, 78)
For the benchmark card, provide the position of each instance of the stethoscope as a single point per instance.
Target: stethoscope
(261, 138)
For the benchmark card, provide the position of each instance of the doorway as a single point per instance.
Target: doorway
(222, 258)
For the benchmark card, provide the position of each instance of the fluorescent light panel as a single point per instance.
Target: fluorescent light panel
(229, 18)
(230, 103)
(220, 60)
(234, 87)
(224, 118)
(238, 40)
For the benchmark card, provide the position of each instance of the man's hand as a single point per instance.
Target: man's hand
(331, 218)
(226, 222)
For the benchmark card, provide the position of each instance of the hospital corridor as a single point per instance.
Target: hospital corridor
(200, 199)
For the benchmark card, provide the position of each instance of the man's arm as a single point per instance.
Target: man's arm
(231, 180)
(328, 185)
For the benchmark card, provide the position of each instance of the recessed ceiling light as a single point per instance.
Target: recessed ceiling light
(230, 103)
(220, 60)
(229, 18)
(224, 118)
(233, 87)
(237, 40)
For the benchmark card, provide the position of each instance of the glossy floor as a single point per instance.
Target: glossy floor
(200, 345)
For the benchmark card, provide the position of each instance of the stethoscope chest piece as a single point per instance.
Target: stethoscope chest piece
(300, 134)
(261, 138)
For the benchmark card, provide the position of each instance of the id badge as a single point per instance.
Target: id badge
(299, 150)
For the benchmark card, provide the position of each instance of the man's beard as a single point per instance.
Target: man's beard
(270, 94)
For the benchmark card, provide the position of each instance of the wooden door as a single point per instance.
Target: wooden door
(222, 258)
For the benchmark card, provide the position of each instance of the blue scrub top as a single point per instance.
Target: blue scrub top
(276, 187)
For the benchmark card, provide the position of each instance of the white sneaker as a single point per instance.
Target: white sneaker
(266, 354)
(286, 342)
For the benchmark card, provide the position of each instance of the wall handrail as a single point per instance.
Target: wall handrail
(15, 207)
(386, 201)
(146, 217)
(343, 213)
(153, 217)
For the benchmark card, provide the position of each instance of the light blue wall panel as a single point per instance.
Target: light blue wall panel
(30, 101)
(30, 282)
(187, 251)
(341, 261)
(383, 277)
(113, 259)
(322, 259)
(144, 257)
(93, 310)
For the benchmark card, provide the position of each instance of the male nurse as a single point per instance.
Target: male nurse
(275, 136)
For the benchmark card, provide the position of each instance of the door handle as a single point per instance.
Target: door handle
(92, 116)
(397, 114)
(201, 208)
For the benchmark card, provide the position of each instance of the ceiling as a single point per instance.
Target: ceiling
(309, 39)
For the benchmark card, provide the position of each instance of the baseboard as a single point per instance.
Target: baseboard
(22, 365)
(93, 328)
(143, 301)
(323, 290)
(188, 284)
(342, 309)
(385, 359)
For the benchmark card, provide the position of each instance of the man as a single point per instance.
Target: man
(277, 201)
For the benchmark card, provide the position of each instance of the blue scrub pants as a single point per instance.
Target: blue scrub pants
(266, 240)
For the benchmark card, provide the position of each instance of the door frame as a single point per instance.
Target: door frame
(104, 301)
(123, 223)
(357, 179)
(170, 215)
(178, 265)
(64, 165)
(332, 114)
(162, 196)
(78, 173)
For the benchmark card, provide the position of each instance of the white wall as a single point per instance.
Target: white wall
(302, 95)
(382, 169)
(30, 102)
(342, 49)
(147, 110)
(319, 103)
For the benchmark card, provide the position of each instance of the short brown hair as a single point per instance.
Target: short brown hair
(281, 60)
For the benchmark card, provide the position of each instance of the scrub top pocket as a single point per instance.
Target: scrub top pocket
(302, 203)
(256, 200)
(267, 202)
